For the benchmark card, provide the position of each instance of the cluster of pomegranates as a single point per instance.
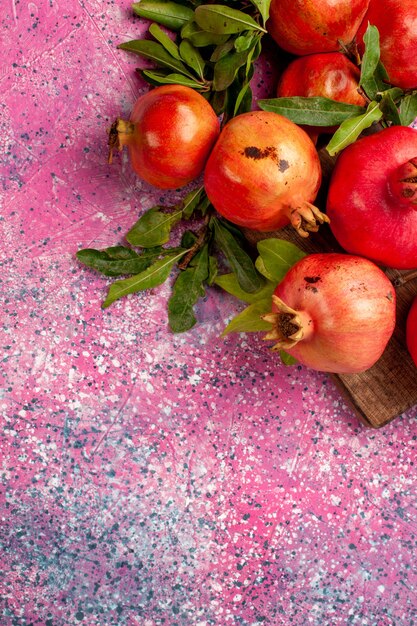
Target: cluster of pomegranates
(333, 312)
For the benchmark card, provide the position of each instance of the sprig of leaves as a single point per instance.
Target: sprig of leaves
(150, 257)
(146, 263)
(187, 290)
(250, 281)
(385, 104)
(212, 48)
(350, 130)
(312, 111)
(153, 276)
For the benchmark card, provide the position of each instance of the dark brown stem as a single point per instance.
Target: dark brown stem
(351, 51)
(363, 93)
(197, 245)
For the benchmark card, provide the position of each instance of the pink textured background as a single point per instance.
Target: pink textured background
(150, 478)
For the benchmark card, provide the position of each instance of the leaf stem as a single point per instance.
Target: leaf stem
(197, 245)
(362, 92)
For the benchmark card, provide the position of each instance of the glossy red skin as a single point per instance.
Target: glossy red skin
(348, 309)
(310, 26)
(396, 21)
(262, 166)
(365, 216)
(411, 331)
(175, 130)
(326, 74)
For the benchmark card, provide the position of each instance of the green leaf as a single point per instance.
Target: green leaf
(250, 320)
(188, 239)
(154, 275)
(117, 260)
(223, 20)
(165, 41)
(253, 53)
(276, 257)
(187, 289)
(395, 93)
(239, 92)
(169, 14)
(218, 100)
(350, 130)
(226, 68)
(238, 96)
(243, 102)
(229, 283)
(239, 261)
(192, 202)
(373, 74)
(160, 78)
(155, 52)
(199, 37)
(244, 42)
(257, 49)
(153, 228)
(203, 206)
(236, 232)
(388, 106)
(408, 109)
(192, 57)
(263, 8)
(287, 359)
(213, 270)
(222, 49)
(314, 111)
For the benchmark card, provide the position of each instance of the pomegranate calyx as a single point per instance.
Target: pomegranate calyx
(403, 182)
(304, 219)
(287, 329)
(120, 134)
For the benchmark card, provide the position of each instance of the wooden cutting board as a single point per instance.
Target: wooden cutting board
(390, 387)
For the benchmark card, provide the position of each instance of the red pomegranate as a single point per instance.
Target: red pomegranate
(396, 21)
(263, 173)
(333, 312)
(169, 135)
(372, 197)
(327, 74)
(309, 26)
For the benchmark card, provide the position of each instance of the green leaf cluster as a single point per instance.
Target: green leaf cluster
(150, 258)
(385, 104)
(211, 48)
(252, 281)
(146, 263)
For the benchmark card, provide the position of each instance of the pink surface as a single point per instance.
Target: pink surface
(151, 478)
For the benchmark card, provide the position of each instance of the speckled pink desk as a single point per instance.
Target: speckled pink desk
(149, 478)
